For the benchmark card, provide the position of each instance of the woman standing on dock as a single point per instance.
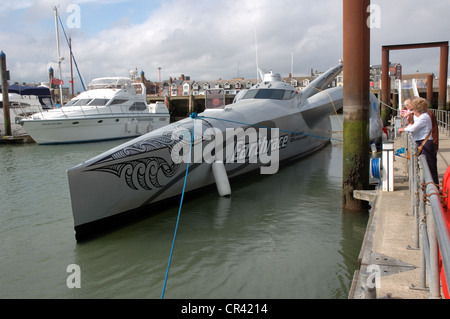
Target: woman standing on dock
(421, 131)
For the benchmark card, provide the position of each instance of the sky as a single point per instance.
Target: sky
(207, 39)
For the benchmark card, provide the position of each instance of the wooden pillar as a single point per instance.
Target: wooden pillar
(395, 100)
(191, 103)
(430, 89)
(5, 78)
(385, 86)
(443, 72)
(356, 103)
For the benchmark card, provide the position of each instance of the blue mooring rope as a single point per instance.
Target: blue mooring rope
(376, 168)
(194, 116)
(179, 213)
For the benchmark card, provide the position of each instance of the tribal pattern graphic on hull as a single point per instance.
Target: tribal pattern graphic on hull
(142, 173)
(138, 168)
(144, 146)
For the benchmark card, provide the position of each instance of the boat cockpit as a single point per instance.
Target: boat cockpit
(273, 94)
(272, 87)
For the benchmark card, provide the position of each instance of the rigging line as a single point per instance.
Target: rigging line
(194, 115)
(389, 106)
(179, 213)
(332, 102)
(71, 54)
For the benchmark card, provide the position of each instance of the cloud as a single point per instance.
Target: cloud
(205, 39)
(8, 6)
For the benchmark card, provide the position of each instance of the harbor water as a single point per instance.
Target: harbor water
(277, 236)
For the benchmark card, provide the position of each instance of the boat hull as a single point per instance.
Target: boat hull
(257, 133)
(79, 130)
(142, 173)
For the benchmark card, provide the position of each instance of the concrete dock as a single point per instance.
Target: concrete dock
(390, 240)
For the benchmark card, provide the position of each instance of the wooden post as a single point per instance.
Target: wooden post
(5, 78)
(430, 89)
(443, 72)
(385, 86)
(191, 104)
(356, 103)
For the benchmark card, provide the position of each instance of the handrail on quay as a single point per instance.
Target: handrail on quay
(442, 118)
(428, 209)
(419, 221)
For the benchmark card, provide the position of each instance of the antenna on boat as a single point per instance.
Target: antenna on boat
(60, 59)
(292, 64)
(257, 63)
(71, 66)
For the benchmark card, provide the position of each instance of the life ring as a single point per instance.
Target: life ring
(446, 202)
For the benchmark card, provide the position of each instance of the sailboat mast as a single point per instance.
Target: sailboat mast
(292, 65)
(257, 62)
(71, 66)
(59, 56)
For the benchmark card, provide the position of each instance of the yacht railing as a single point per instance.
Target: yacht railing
(24, 108)
(428, 209)
(124, 109)
(109, 83)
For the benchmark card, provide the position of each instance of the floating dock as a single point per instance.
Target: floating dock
(390, 243)
(16, 139)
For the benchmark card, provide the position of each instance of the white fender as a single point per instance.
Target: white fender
(221, 178)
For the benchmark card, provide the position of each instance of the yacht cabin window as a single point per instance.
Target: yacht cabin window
(138, 106)
(71, 102)
(118, 101)
(82, 102)
(98, 102)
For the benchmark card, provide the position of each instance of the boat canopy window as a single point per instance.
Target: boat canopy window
(138, 106)
(98, 102)
(110, 83)
(46, 102)
(274, 94)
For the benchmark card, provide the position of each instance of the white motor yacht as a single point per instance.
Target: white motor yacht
(111, 108)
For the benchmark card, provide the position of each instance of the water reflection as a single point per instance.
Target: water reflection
(278, 236)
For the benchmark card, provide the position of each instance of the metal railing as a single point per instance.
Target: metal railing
(442, 118)
(427, 208)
